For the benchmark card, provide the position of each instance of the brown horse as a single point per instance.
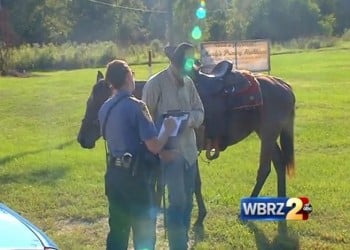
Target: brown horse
(230, 116)
(237, 103)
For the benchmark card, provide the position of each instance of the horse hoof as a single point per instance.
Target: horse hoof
(198, 230)
(242, 221)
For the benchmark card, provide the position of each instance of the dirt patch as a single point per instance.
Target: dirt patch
(16, 73)
(68, 226)
(73, 225)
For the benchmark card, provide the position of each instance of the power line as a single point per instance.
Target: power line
(219, 10)
(147, 10)
(128, 8)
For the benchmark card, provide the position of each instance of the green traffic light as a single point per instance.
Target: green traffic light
(196, 33)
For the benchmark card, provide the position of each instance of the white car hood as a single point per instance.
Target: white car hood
(18, 233)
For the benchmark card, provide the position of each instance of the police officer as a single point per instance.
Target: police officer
(125, 123)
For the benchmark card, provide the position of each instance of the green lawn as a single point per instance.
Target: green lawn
(47, 177)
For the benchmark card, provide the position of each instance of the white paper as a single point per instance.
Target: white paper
(178, 121)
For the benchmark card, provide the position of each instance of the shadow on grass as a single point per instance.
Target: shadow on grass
(40, 176)
(283, 240)
(10, 158)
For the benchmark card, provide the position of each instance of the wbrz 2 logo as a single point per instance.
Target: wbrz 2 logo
(275, 208)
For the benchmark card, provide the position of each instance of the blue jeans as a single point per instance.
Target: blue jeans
(180, 180)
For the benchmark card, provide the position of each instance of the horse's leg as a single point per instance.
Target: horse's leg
(266, 151)
(202, 211)
(277, 160)
(280, 168)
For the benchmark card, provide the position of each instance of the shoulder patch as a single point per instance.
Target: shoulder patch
(145, 111)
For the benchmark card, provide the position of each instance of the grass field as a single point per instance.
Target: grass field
(47, 177)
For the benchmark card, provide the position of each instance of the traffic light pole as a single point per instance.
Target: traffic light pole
(170, 23)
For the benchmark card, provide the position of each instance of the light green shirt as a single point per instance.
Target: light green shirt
(162, 93)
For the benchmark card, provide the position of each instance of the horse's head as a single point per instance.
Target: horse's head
(89, 131)
(211, 89)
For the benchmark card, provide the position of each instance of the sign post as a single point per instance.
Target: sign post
(150, 63)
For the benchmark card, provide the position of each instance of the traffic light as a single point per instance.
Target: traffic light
(196, 33)
(201, 13)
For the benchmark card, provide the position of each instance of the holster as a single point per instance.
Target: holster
(127, 161)
(149, 167)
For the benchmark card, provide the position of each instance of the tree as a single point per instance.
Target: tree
(284, 20)
(129, 23)
(37, 21)
(184, 19)
(342, 14)
(239, 15)
(24, 19)
(92, 21)
(8, 38)
(157, 22)
(217, 26)
(56, 19)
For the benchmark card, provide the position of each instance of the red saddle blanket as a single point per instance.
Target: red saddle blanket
(245, 92)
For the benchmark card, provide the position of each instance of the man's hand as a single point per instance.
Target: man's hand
(190, 122)
(169, 125)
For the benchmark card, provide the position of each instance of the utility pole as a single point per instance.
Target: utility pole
(170, 30)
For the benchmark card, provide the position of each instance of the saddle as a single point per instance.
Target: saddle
(220, 70)
(239, 88)
(243, 90)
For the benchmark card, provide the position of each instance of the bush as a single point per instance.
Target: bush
(156, 46)
(346, 35)
(314, 44)
(73, 56)
(45, 57)
(110, 52)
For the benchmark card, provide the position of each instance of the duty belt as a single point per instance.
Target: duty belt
(122, 161)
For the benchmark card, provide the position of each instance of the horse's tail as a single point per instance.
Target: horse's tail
(287, 146)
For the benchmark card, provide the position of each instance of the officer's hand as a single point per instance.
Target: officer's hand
(169, 125)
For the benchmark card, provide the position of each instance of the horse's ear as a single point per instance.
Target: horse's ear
(99, 76)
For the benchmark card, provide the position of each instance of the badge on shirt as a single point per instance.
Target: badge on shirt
(145, 111)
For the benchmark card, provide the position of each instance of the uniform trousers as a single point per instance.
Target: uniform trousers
(130, 201)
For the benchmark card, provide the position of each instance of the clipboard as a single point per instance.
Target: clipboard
(181, 120)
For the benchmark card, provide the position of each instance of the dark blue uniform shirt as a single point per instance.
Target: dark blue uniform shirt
(129, 123)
